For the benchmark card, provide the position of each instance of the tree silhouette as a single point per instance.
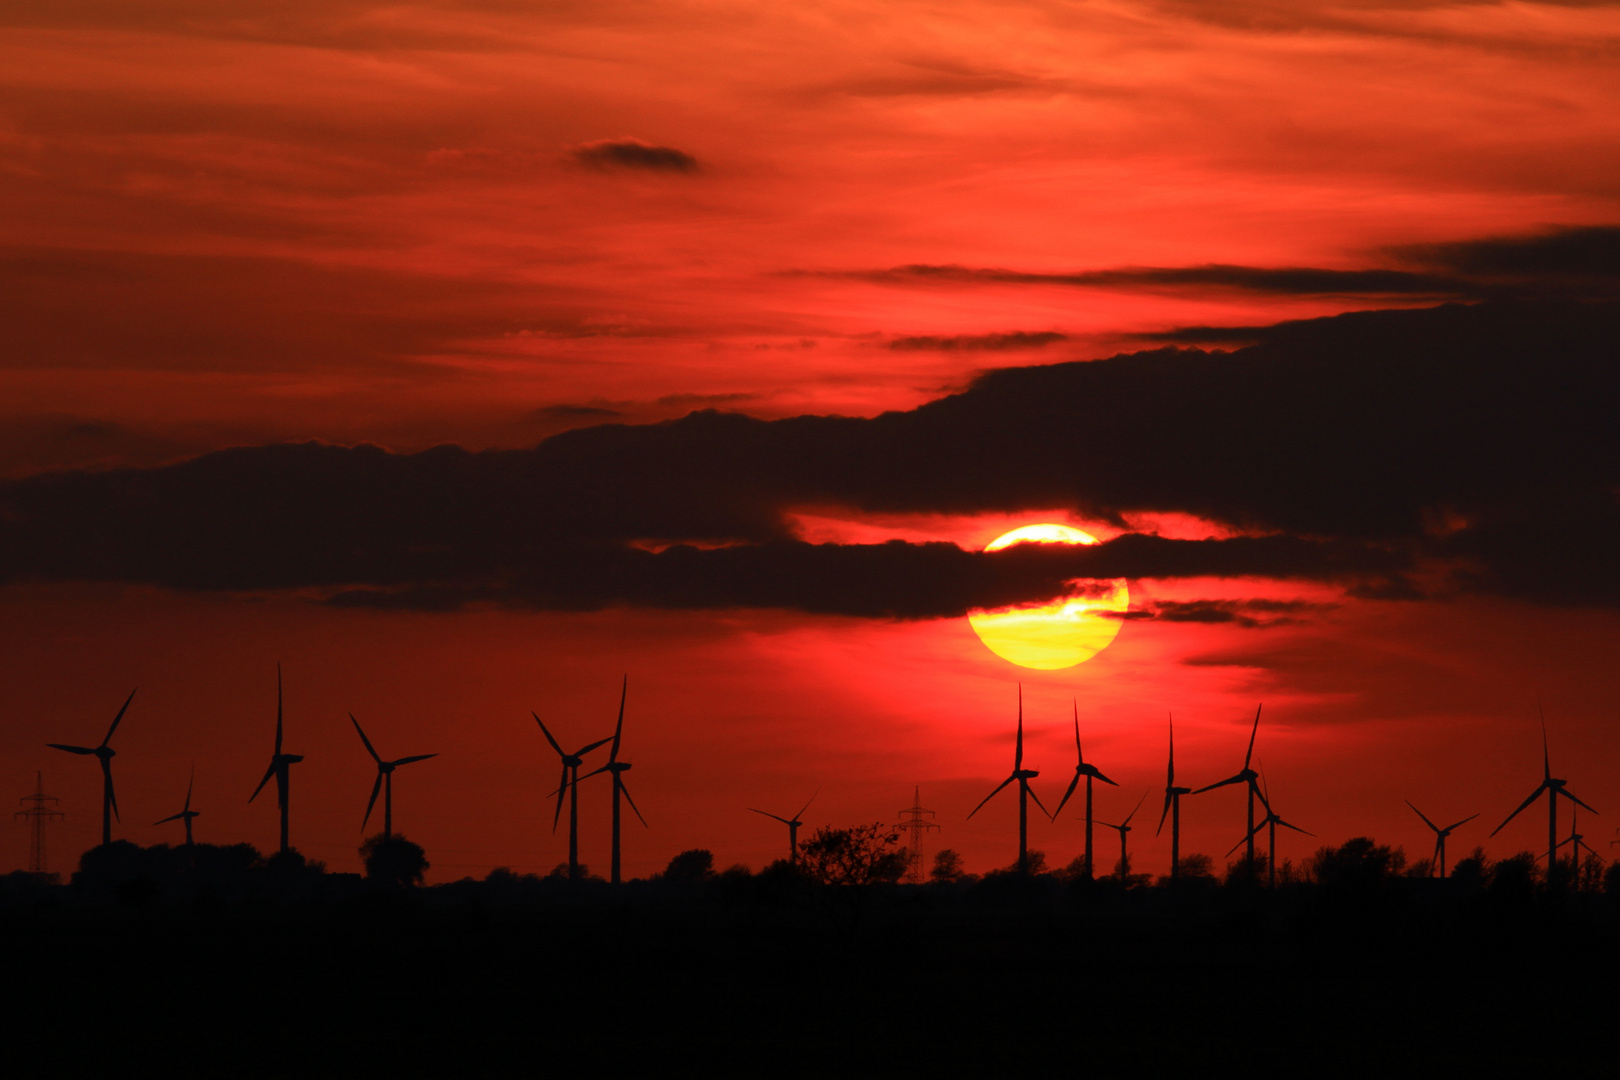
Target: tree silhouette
(694, 865)
(861, 855)
(947, 866)
(393, 860)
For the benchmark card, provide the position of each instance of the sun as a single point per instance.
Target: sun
(1056, 635)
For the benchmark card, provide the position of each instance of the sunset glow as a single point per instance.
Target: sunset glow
(1053, 636)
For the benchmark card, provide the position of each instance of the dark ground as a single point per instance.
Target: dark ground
(761, 979)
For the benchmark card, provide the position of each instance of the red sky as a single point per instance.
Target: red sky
(355, 222)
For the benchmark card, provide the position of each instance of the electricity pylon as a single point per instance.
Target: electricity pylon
(38, 814)
(916, 825)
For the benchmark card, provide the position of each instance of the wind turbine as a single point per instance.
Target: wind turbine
(617, 769)
(570, 786)
(280, 768)
(1269, 823)
(188, 813)
(109, 801)
(793, 824)
(1439, 835)
(1577, 840)
(1023, 776)
(1247, 776)
(1554, 789)
(1172, 806)
(1090, 772)
(1125, 827)
(385, 781)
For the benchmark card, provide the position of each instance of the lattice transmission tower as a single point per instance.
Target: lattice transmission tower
(916, 824)
(38, 814)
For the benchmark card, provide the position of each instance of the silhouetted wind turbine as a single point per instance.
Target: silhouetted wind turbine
(617, 769)
(1575, 838)
(569, 786)
(793, 824)
(1087, 771)
(1125, 827)
(1439, 835)
(280, 768)
(1023, 776)
(385, 781)
(188, 813)
(1554, 789)
(1269, 823)
(1172, 806)
(109, 801)
(1247, 776)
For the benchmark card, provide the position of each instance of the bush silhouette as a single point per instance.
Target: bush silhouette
(694, 865)
(393, 860)
(862, 855)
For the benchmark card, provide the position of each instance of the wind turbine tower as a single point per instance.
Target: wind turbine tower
(37, 814)
(1090, 772)
(916, 824)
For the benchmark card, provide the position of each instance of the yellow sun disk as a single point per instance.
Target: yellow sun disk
(1060, 634)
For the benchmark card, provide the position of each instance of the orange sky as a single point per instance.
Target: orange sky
(235, 224)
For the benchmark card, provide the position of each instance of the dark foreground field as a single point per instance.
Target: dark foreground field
(551, 978)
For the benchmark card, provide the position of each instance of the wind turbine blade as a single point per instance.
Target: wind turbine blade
(372, 802)
(413, 757)
(1261, 795)
(1098, 774)
(1170, 777)
(1072, 785)
(1546, 761)
(632, 803)
(1018, 754)
(119, 717)
(806, 806)
(1296, 828)
(1219, 783)
(278, 708)
(1252, 733)
(1134, 809)
(618, 729)
(171, 817)
(1247, 836)
(1464, 821)
(268, 773)
(547, 732)
(562, 789)
(768, 814)
(1079, 754)
(70, 749)
(1425, 817)
(993, 794)
(1533, 797)
(189, 785)
(592, 773)
(1570, 795)
(369, 748)
(1167, 798)
(587, 749)
(1036, 797)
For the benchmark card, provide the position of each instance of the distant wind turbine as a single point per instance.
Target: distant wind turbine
(186, 814)
(1439, 835)
(385, 781)
(1249, 777)
(617, 769)
(1023, 776)
(109, 801)
(1554, 789)
(1269, 823)
(1172, 806)
(570, 787)
(1577, 841)
(793, 824)
(280, 768)
(1125, 827)
(1090, 772)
